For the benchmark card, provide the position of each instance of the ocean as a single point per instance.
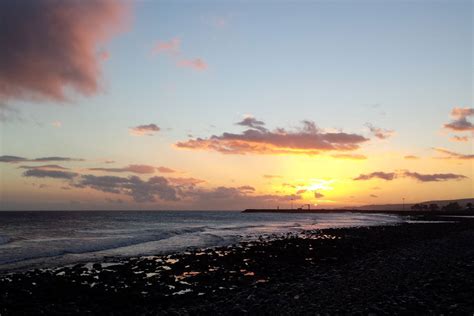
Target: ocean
(51, 238)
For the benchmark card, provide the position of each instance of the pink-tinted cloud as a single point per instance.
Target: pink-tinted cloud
(170, 47)
(50, 46)
(196, 64)
(380, 133)
(308, 140)
(453, 155)
(57, 124)
(144, 130)
(349, 156)
(459, 139)
(165, 170)
(139, 169)
(460, 122)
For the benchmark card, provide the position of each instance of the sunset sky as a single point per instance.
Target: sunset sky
(211, 105)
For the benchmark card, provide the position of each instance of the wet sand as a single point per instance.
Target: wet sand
(408, 268)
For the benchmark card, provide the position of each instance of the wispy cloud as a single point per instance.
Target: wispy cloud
(57, 124)
(139, 169)
(307, 140)
(389, 176)
(196, 64)
(64, 56)
(456, 138)
(411, 157)
(380, 133)
(170, 47)
(453, 155)
(17, 159)
(350, 156)
(144, 130)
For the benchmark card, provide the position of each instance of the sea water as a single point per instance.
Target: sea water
(51, 238)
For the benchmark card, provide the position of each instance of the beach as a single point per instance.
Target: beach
(423, 266)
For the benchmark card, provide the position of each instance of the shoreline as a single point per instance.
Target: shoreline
(298, 271)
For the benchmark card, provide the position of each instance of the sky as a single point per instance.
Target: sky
(209, 105)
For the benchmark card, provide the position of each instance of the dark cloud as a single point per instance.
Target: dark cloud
(48, 46)
(453, 155)
(414, 175)
(44, 167)
(411, 157)
(380, 133)
(55, 174)
(138, 189)
(433, 177)
(186, 181)
(373, 196)
(378, 174)
(17, 159)
(142, 130)
(318, 195)
(139, 169)
(252, 123)
(460, 122)
(307, 140)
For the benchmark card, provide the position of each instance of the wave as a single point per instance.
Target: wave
(5, 240)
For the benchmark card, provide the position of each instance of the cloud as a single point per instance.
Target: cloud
(170, 47)
(139, 169)
(433, 177)
(414, 175)
(186, 181)
(196, 64)
(44, 173)
(349, 156)
(17, 159)
(138, 189)
(388, 176)
(57, 124)
(272, 176)
(460, 122)
(65, 54)
(318, 195)
(373, 196)
(142, 130)
(307, 140)
(165, 170)
(379, 132)
(453, 155)
(457, 138)
(44, 167)
(252, 123)
(411, 157)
